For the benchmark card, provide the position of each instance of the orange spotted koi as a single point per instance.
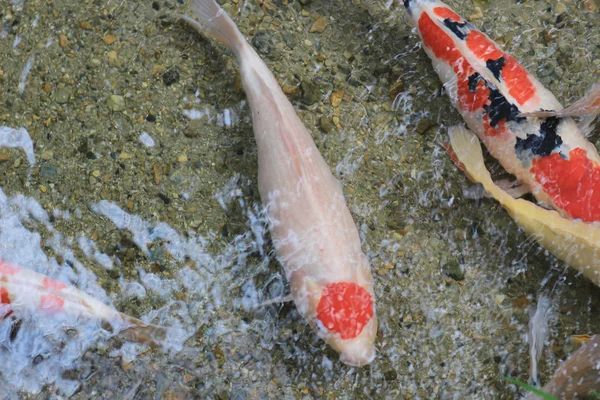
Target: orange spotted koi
(520, 122)
(23, 291)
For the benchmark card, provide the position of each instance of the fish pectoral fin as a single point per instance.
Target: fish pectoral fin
(589, 104)
(514, 188)
(276, 300)
(448, 147)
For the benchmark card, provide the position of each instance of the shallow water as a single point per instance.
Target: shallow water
(143, 193)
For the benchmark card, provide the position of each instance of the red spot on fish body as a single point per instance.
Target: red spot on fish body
(572, 184)
(498, 130)
(52, 304)
(53, 284)
(482, 46)
(5, 308)
(443, 48)
(445, 12)
(514, 75)
(345, 308)
(8, 269)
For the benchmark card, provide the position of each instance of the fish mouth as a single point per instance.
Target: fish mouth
(358, 354)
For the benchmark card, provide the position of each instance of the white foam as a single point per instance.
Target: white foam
(17, 138)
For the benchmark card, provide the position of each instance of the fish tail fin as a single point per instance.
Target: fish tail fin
(141, 332)
(213, 21)
(467, 150)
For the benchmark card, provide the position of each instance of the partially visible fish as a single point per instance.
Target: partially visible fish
(314, 235)
(575, 242)
(579, 375)
(23, 291)
(520, 122)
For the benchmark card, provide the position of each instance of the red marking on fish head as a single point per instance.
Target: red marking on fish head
(8, 269)
(53, 284)
(445, 12)
(5, 308)
(573, 184)
(345, 308)
(52, 304)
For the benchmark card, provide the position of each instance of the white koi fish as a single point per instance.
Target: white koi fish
(519, 121)
(25, 291)
(314, 235)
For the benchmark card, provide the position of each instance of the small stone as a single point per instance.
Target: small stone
(310, 92)
(158, 69)
(336, 98)
(4, 157)
(478, 14)
(305, 2)
(47, 87)
(305, 13)
(170, 76)
(62, 40)
(96, 173)
(116, 103)
(47, 155)
(85, 25)
(590, 6)
(326, 124)
(262, 42)
(113, 58)
(396, 88)
(43, 188)
(308, 43)
(62, 96)
(182, 158)
(336, 122)
(319, 25)
(125, 156)
(109, 39)
(454, 271)
(423, 125)
(290, 91)
(560, 8)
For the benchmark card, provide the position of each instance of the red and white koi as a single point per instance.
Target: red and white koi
(314, 235)
(23, 291)
(520, 122)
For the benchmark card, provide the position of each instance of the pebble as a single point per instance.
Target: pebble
(310, 92)
(62, 40)
(319, 25)
(83, 24)
(326, 124)
(308, 43)
(182, 158)
(560, 8)
(109, 39)
(47, 155)
(116, 103)
(336, 98)
(62, 96)
(171, 76)
(125, 156)
(96, 173)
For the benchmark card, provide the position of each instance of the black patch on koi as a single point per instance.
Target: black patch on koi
(406, 3)
(543, 144)
(456, 28)
(495, 66)
(500, 109)
(474, 78)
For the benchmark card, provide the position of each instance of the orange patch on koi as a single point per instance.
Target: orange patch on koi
(445, 12)
(9, 269)
(345, 308)
(53, 284)
(52, 304)
(5, 308)
(573, 184)
(515, 77)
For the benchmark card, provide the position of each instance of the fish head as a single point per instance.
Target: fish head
(342, 313)
(413, 8)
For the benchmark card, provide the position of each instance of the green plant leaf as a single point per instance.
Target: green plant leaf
(539, 392)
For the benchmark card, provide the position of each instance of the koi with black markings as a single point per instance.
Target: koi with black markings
(520, 122)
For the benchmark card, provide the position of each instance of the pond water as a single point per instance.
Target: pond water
(129, 169)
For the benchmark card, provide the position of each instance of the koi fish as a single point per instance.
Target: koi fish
(314, 236)
(575, 242)
(23, 291)
(520, 122)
